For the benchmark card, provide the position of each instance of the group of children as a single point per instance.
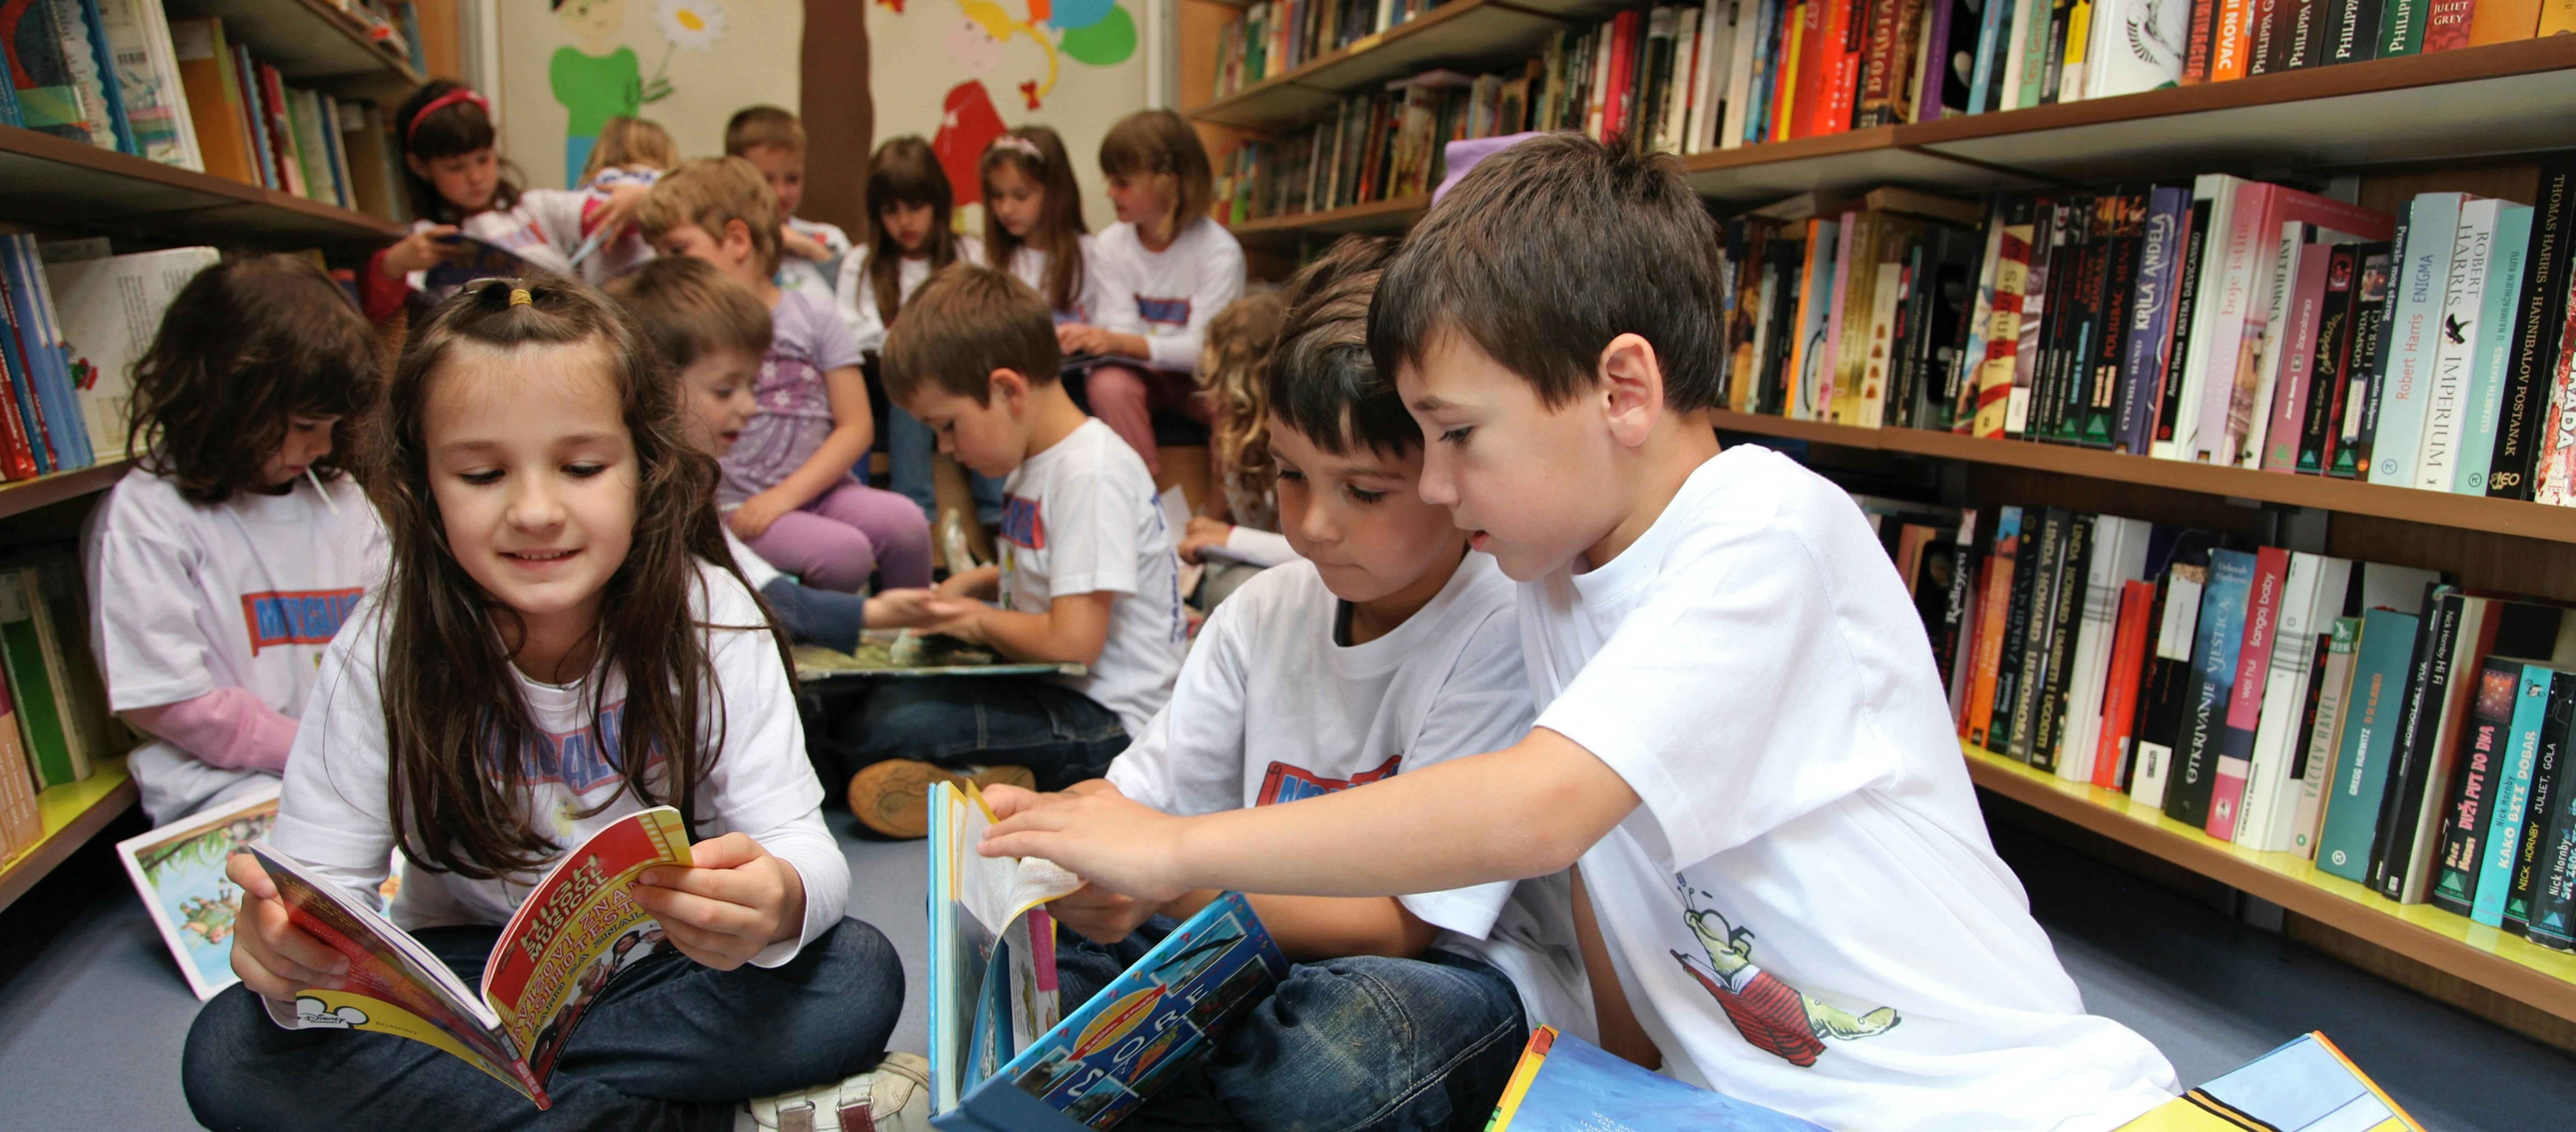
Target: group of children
(1546, 710)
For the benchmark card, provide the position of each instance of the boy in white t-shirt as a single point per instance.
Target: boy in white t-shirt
(1741, 737)
(1087, 573)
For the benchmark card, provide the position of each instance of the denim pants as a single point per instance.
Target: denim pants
(1061, 735)
(828, 618)
(670, 1045)
(909, 445)
(1364, 1044)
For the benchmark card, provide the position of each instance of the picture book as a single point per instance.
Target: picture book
(2307, 1085)
(992, 948)
(884, 652)
(578, 929)
(1566, 1084)
(1164, 1013)
(179, 871)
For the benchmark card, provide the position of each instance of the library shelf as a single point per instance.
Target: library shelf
(62, 183)
(2432, 508)
(311, 42)
(1477, 32)
(2489, 957)
(54, 487)
(1377, 217)
(72, 814)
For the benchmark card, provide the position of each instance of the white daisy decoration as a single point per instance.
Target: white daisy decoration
(695, 25)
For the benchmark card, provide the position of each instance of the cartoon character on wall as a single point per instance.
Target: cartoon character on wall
(595, 80)
(1098, 33)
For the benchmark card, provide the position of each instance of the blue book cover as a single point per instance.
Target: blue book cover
(1106, 1058)
(2484, 400)
(2150, 330)
(2214, 653)
(1566, 1084)
(2307, 1085)
(108, 88)
(2372, 716)
(22, 385)
(52, 442)
(47, 360)
(2512, 795)
(1990, 34)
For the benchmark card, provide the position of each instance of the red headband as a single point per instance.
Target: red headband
(442, 102)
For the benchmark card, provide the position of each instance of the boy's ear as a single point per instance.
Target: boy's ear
(1009, 388)
(737, 238)
(1632, 388)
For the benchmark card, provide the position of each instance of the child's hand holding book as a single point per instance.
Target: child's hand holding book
(728, 907)
(1101, 915)
(275, 958)
(1102, 836)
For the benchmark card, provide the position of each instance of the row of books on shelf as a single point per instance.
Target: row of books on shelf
(77, 318)
(1274, 37)
(1384, 145)
(54, 722)
(2227, 321)
(2401, 733)
(120, 75)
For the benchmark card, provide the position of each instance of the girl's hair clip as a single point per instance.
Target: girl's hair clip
(519, 297)
(442, 102)
(1021, 145)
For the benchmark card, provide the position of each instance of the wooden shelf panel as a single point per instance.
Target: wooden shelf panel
(72, 814)
(1464, 32)
(1383, 217)
(60, 182)
(1844, 162)
(307, 41)
(2497, 960)
(27, 495)
(2465, 512)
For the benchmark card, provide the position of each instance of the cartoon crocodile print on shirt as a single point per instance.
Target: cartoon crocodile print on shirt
(1771, 1014)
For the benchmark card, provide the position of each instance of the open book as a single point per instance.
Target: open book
(992, 948)
(1566, 1084)
(1161, 1016)
(2307, 1085)
(903, 652)
(579, 928)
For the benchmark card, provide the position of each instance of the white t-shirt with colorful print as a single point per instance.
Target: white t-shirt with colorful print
(1083, 517)
(1167, 296)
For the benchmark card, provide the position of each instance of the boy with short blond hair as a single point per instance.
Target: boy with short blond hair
(1741, 737)
(773, 140)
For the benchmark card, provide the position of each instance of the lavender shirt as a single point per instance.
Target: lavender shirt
(808, 341)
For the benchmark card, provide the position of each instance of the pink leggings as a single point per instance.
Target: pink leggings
(1125, 397)
(833, 542)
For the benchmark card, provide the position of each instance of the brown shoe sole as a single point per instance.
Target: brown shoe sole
(892, 798)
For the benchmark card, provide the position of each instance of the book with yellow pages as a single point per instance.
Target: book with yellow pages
(579, 929)
(992, 947)
(1566, 1084)
(2307, 1085)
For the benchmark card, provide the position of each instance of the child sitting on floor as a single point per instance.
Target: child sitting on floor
(811, 250)
(1236, 534)
(1741, 736)
(789, 481)
(1087, 572)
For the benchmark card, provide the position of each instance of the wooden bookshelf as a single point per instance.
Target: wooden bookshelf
(1378, 217)
(1478, 33)
(2487, 957)
(66, 184)
(27, 495)
(72, 814)
(311, 42)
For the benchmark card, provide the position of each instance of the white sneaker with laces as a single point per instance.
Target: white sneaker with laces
(894, 1096)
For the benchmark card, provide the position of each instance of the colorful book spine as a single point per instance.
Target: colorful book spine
(2546, 803)
(2324, 734)
(2234, 764)
(2371, 711)
(2437, 452)
(2520, 422)
(2484, 404)
(2456, 867)
(2513, 794)
(2410, 341)
(2215, 654)
(2297, 347)
(1992, 607)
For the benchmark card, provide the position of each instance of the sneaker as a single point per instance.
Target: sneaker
(893, 1097)
(892, 797)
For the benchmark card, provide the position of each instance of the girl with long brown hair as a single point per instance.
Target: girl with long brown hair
(1033, 219)
(562, 640)
(910, 234)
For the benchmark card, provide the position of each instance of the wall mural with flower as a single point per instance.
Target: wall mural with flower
(569, 65)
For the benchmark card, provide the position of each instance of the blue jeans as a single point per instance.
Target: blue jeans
(909, 445)
(828, 618)
(1061, 735)
(669, 1045)
(1364, 1044)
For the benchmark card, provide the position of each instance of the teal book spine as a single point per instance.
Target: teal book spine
(2372, 713)
(2513, 796)
(2401, 28)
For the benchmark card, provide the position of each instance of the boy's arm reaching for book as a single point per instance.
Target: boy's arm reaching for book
(1074, 627)
(274, 958)
(1524, 811)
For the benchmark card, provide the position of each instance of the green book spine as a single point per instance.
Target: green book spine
(2401, 28)
(31, 687)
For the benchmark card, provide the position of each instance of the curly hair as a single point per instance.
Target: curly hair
(1233, 359)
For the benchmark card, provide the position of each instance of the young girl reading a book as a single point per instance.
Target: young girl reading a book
(909, 236)
(223, 563)
(1033, 219)
(562, 640)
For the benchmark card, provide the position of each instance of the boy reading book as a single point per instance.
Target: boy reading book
(1388, 646)
(1740, 738)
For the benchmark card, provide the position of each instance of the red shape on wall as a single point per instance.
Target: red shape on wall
(967, 124)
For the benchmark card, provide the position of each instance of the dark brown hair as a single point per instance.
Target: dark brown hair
(456, 726)
(973, 320)
(707, 194)
(1160, 143)
(763, 125)
(905, 170)
(625, 141)
(1039, 155)
(458, 127)
(246, 344)
(1322, 382)
(685, 309)
(1545, 252)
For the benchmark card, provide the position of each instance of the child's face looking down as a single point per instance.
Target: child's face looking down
(466, 180)
(908, 222)
(1533, 486)
(1359, 516)
(992, 438)
(715, 391)
(535, 477)
(308, 438)
(784, 169)
(1141, 199)
(1016, 200)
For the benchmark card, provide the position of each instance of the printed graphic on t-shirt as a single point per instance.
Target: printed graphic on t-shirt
(581, 758)
(1774, 1016)
(296, 617)
(1164, 312)
(1021, 524)
(1285, 783)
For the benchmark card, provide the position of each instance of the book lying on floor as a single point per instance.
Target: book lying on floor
(992, 948)
(2307, 1085)
(579, 928)
(1566, 1084)
(884, 652)
(1120, 1048)
(179, 870)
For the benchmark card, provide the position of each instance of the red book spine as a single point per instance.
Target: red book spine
(2228, 40)
(2120, 693)
(1623, 73)
(1878, 69)
(2195, 58)
(2245, 701)
(1838, 72)
(2447, 25)
(1812, 50)
(1990, 641)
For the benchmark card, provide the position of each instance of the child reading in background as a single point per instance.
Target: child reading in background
(1236, 535)
(909, 204)
(810, 250)
(1033, 219)
(1387, 647)
(1740, 735)
(1087, 573)
(1165, 270)
(223, 563)
(630, 151)
(789, 481)
(458, 184)
(557, 613)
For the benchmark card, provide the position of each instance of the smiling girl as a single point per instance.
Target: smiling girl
(562, 640)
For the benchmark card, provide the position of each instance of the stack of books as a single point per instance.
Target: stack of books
(54, 722)
(251, 127)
